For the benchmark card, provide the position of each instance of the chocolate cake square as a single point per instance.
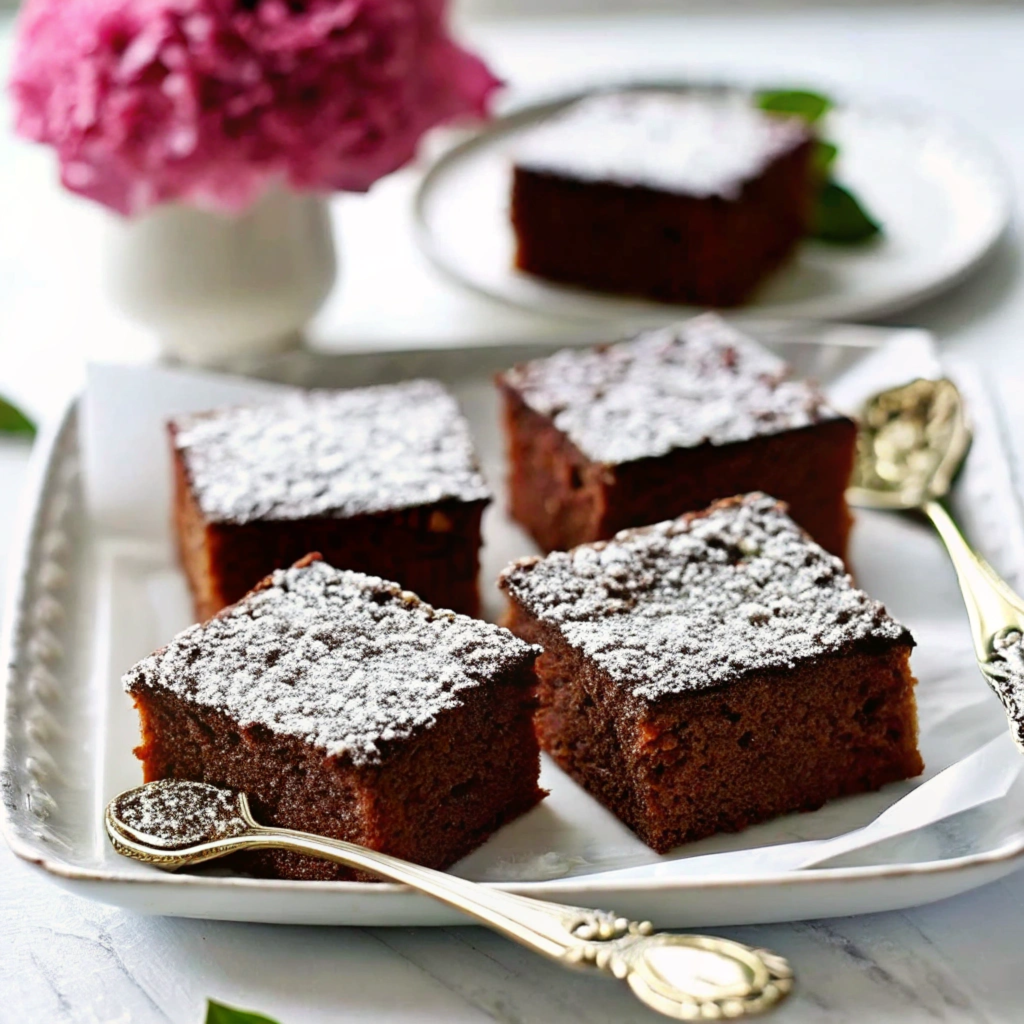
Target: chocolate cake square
(381, 480)
(629, 434)
(691, 198)
(345, 706)
(713, 671)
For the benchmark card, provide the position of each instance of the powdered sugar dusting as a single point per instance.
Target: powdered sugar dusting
(697, 601)
(346, 662)
(331, 453)
(699, 382)
(696, 145)
(174, 814)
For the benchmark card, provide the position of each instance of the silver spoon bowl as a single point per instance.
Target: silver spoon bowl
(912, 442)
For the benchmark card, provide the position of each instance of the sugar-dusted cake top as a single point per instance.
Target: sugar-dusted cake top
(331, 453)
(699, 382)
(696, 144)
(346, 662)
(700, 601)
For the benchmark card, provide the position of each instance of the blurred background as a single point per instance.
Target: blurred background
(955, 58)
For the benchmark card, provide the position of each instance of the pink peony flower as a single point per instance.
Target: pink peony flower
(212, 102)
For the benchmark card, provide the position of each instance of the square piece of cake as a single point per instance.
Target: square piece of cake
(713, 671)
(345, 706)
(629, 434)
(677, 197)
(381, 480)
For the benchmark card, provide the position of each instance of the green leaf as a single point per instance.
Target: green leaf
(811, 106)
(825, 154)
(838, 215)
(840, 218)
(218, 1013)
(14, 421)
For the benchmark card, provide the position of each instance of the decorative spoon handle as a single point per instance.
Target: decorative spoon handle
(997, 618)
(687, 977)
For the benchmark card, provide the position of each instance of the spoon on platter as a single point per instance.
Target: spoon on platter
(912, 441)
(174, 824)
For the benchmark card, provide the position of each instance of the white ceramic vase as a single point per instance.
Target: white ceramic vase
(215, 288)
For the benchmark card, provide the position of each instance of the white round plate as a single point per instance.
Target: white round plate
(942, 198)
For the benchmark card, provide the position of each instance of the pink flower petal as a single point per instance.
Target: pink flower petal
(212, 102)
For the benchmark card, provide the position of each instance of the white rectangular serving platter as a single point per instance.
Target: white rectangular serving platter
(97, 587)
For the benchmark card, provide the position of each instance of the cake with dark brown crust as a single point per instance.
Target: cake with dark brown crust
(381, 480)
(629, 434)
(345, 706)
(677, 197)
(713, 671)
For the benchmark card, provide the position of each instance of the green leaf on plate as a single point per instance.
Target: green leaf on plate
(218, 1013)
(811, 106)
(14, 421)
(840, 218)
(825, 154)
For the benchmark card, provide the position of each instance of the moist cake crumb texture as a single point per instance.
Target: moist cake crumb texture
(699, 382)
(692, 603)
(695, 145)
(343, 661)
(331, 454)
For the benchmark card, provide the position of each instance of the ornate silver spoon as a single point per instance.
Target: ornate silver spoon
(913, 440)
(174, 824)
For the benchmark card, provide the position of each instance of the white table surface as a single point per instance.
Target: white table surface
(66, 960)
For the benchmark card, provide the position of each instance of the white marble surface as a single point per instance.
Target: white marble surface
(65, 960)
